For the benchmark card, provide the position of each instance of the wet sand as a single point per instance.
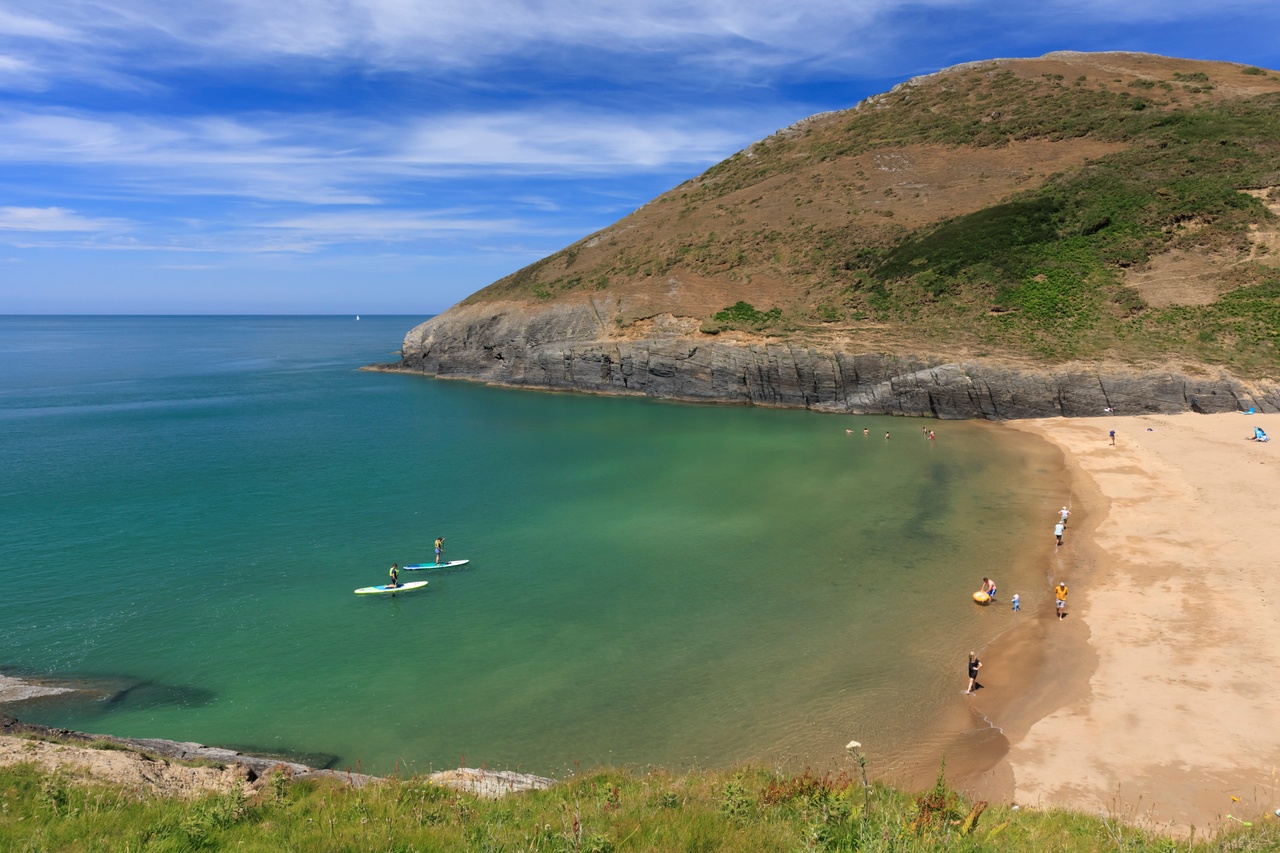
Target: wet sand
(974, 733)
(1156, 699)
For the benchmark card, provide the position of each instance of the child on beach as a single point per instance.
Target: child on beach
(1062, 515)
(1016, 601)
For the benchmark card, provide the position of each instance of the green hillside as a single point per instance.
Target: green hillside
(1122, 207)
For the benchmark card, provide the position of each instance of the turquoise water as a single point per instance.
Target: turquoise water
(188, 504)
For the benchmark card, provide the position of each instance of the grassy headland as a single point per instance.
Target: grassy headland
(1117, 207)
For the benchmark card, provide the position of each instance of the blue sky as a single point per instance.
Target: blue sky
(393, 156)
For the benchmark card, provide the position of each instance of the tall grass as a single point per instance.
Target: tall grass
(743, 810)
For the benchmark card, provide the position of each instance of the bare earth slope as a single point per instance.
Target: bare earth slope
(1003, 239)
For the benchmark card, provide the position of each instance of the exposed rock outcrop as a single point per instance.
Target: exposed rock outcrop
(569, 346)
(143, 763)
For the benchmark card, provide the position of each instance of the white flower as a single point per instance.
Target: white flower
(853, 744)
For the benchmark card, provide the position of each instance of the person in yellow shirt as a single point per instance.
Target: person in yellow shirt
(1060, 598)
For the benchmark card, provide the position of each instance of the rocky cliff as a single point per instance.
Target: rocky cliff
(568, 346)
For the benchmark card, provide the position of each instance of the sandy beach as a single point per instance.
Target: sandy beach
(1156, 699)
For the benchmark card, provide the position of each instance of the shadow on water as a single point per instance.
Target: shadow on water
(93, 696)
(151, 694)
(318, 760)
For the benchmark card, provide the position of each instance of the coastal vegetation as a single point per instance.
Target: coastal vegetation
(1097, 177)
(601, 811)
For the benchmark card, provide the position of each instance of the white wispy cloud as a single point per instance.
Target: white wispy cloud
(38, 25)
(54, 219)
(333, 160)
(749, 35)
(393, 225)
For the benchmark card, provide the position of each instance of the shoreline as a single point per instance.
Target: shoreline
(973, 734)
(1153, 701)
(1040, 663)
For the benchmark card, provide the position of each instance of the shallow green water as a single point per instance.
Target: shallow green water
(189, 503)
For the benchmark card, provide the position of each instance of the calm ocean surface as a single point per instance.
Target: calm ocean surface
(188, 503)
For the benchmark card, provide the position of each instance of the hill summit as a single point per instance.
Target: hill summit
(1010, 238)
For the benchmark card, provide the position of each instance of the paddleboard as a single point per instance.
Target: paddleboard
(451, 564)
(981, 597)
(389, 590)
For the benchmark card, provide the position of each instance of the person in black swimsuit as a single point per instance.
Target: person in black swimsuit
(974, 666)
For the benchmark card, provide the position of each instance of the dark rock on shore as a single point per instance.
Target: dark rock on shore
(257, 765)
(260, 768)
(569, 347)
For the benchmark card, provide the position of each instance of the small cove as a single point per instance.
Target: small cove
(192, 500)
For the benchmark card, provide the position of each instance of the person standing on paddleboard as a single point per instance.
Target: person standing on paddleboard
(395, 575)
(439, 550)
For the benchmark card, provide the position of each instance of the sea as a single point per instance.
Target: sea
(188, 504)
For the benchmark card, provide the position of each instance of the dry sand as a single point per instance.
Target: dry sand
(1158, 698)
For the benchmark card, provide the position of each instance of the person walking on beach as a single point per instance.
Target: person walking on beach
(395, 576)
(1113, 438)
(1016, 603)
(1060, 599)
(1062, 515)
(974, 666)
(1057, 531)
(439, 549)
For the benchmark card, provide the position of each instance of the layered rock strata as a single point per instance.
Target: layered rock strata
(572, 347)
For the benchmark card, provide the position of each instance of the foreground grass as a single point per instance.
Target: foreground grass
(604, 811)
